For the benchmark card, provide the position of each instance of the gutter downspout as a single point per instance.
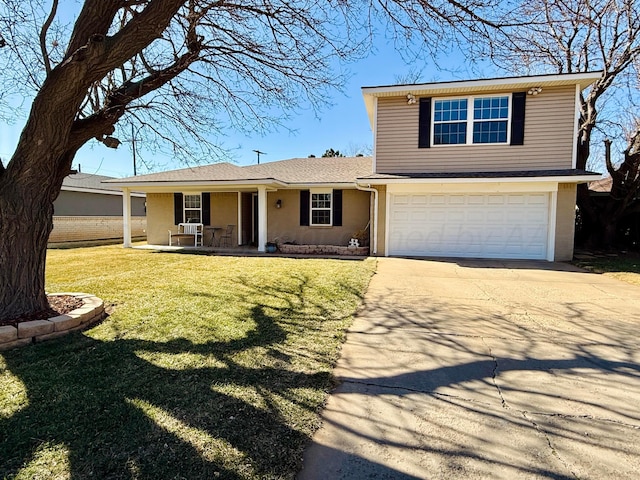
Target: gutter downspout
(375, 214)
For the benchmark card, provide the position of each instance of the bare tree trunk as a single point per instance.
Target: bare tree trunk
(26, 220)
(25, 223)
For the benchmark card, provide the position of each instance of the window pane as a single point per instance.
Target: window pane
(192, 216)
(490, 132)
(321, 200)
(450, 133)
(321, 217)
(491, 108)
(450, 117)
(192, 201)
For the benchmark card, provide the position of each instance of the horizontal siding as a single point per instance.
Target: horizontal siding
(548, 139)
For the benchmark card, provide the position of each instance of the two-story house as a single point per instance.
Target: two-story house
(480, 168)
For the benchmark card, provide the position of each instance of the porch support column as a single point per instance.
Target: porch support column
(262, 218)
(126, 217)
(240, 226)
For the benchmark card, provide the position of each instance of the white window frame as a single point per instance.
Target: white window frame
(185, 208)
(317, 191)
(470, 120)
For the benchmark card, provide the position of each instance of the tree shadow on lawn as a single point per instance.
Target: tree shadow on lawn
(118, 414)
(122, 409)
(97, 398)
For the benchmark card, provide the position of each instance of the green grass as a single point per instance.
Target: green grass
(625, 267)
(208, 367)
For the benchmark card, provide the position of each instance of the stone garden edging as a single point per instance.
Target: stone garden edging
(322, 249)
(35, 331)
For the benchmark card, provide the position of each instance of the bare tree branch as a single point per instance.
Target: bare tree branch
(43, 36)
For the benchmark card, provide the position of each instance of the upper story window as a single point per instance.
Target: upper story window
(450, 122)
(192, 208)
(321, 207)
(489, 120)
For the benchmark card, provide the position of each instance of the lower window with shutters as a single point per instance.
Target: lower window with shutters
(192, 208)
(320, 208)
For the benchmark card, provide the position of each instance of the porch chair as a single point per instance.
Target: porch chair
(187, 230)
(225, 238)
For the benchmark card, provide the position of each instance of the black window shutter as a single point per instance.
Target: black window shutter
(304, 207)
(206, 208)
(424, 123)
(517, 118)
(337, 208)
(178, 212)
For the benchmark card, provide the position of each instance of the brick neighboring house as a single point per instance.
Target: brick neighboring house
(88, 210)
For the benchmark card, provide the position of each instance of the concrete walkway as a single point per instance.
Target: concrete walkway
(486, 369)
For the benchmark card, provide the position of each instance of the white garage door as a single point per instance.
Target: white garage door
(501, 225)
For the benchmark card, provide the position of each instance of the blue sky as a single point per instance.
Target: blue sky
(343, 125)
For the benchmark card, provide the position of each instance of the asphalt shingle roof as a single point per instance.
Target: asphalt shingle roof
(292, 171)
(87, 180)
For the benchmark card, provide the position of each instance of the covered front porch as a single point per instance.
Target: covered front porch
(232, 217)
(301, 218)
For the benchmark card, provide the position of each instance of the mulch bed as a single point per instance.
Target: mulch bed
(58, 305)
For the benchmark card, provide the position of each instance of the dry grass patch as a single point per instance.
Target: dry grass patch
(625, 267)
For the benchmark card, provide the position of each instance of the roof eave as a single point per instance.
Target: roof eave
(195, 184)
(100, 191)
(515, 179)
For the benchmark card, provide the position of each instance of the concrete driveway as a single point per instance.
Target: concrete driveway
(486, 369)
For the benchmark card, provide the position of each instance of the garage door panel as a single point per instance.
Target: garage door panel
(495, 200)
(418, 200)
(538, 199)
(477, 199)
(470, 225)
(437, 199)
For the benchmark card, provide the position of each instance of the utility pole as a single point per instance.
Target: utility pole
(133, 145)
(259, 153)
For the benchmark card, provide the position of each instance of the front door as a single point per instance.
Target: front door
(247, 218)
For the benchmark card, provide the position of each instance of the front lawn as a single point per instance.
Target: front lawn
(209, 367)
(625, 267)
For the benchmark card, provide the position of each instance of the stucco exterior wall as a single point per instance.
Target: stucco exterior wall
(71, 203)
(87, 228)
(548, 139)
(224, 212)
(382, 219)
(284, 223)
(565, 221)
(159, 218)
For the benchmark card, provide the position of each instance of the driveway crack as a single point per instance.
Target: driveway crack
(494, 373)
(523, 413)
(565, 416)
(554, 452)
